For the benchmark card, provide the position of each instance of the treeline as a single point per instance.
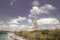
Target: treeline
(40, 34)
(2, 32)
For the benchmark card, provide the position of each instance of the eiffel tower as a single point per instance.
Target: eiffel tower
(35, 27)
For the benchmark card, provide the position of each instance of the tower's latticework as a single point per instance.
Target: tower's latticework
(35, 27)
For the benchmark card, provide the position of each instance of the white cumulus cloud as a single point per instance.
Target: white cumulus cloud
(1, 22)
(15, 22)
(18, 19)
(35, 3)
(29, 21)
(46, 9)
(47, 21)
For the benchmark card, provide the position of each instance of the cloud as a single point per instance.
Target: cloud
(16, 20)
(26, 27)
(1, 22)
(47, 21)
(17, 23)
(29, 21)
(21, 27)
(34, 10)
(14, 24)
(45, 9)
(3, 25)
(43, 23)
(35, 3)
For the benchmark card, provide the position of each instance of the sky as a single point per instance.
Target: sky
(15, 13)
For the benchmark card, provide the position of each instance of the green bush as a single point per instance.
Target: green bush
(40, 34)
